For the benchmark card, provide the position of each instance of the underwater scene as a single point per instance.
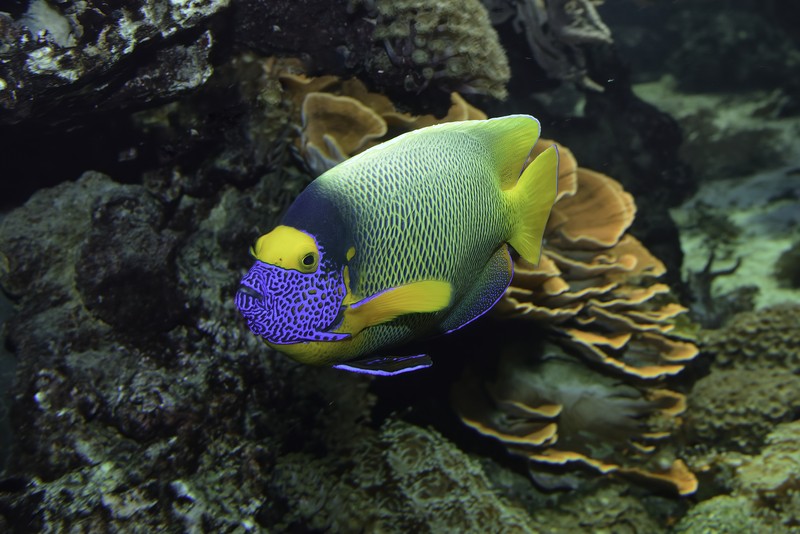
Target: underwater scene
(444, 266)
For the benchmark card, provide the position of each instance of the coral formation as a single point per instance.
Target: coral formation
(722, 515)
(449, 44)
(606, 509)
(335, 127)
(717, 415)
(595, 284)
(764, 490)
(415, 50)
(412, 479)
(595, 294)
(772, 479)
(595, 289)
(757, 352)
(764, 339)
(449, 489)
(326, 103)
(550, 408)
(556, 31)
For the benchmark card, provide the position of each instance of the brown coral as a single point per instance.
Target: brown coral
(340, 118)
(596, 285)
(336, 126)
(595, 291)
(550, 408)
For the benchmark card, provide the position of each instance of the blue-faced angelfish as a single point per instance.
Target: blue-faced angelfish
(402, 242)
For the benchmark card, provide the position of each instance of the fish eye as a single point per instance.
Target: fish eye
(309, 260)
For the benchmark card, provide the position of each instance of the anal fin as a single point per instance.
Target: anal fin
(485, 291)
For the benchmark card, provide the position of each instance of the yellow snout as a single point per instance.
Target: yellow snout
(288, 248)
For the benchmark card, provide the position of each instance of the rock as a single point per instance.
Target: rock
(66, 59)
(125, 270)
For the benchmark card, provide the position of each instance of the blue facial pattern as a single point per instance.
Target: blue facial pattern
(286, 306)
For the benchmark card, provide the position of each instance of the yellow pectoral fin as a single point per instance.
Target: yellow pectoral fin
(418, 297)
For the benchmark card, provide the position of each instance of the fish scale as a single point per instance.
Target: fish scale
(452, 226)
(377, 240)
(415, 230)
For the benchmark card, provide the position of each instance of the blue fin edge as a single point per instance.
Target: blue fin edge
(387, 366)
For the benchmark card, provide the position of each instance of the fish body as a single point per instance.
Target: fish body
(403, 241)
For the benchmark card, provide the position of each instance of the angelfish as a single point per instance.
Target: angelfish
(402, 242)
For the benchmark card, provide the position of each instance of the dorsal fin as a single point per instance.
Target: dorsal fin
(509, 139)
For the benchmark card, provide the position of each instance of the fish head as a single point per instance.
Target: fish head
(292, 293)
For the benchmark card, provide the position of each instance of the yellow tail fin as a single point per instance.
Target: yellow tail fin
(531, 200)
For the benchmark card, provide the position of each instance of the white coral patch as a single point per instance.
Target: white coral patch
(45, 60)
(185, 11)
(43, 20)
